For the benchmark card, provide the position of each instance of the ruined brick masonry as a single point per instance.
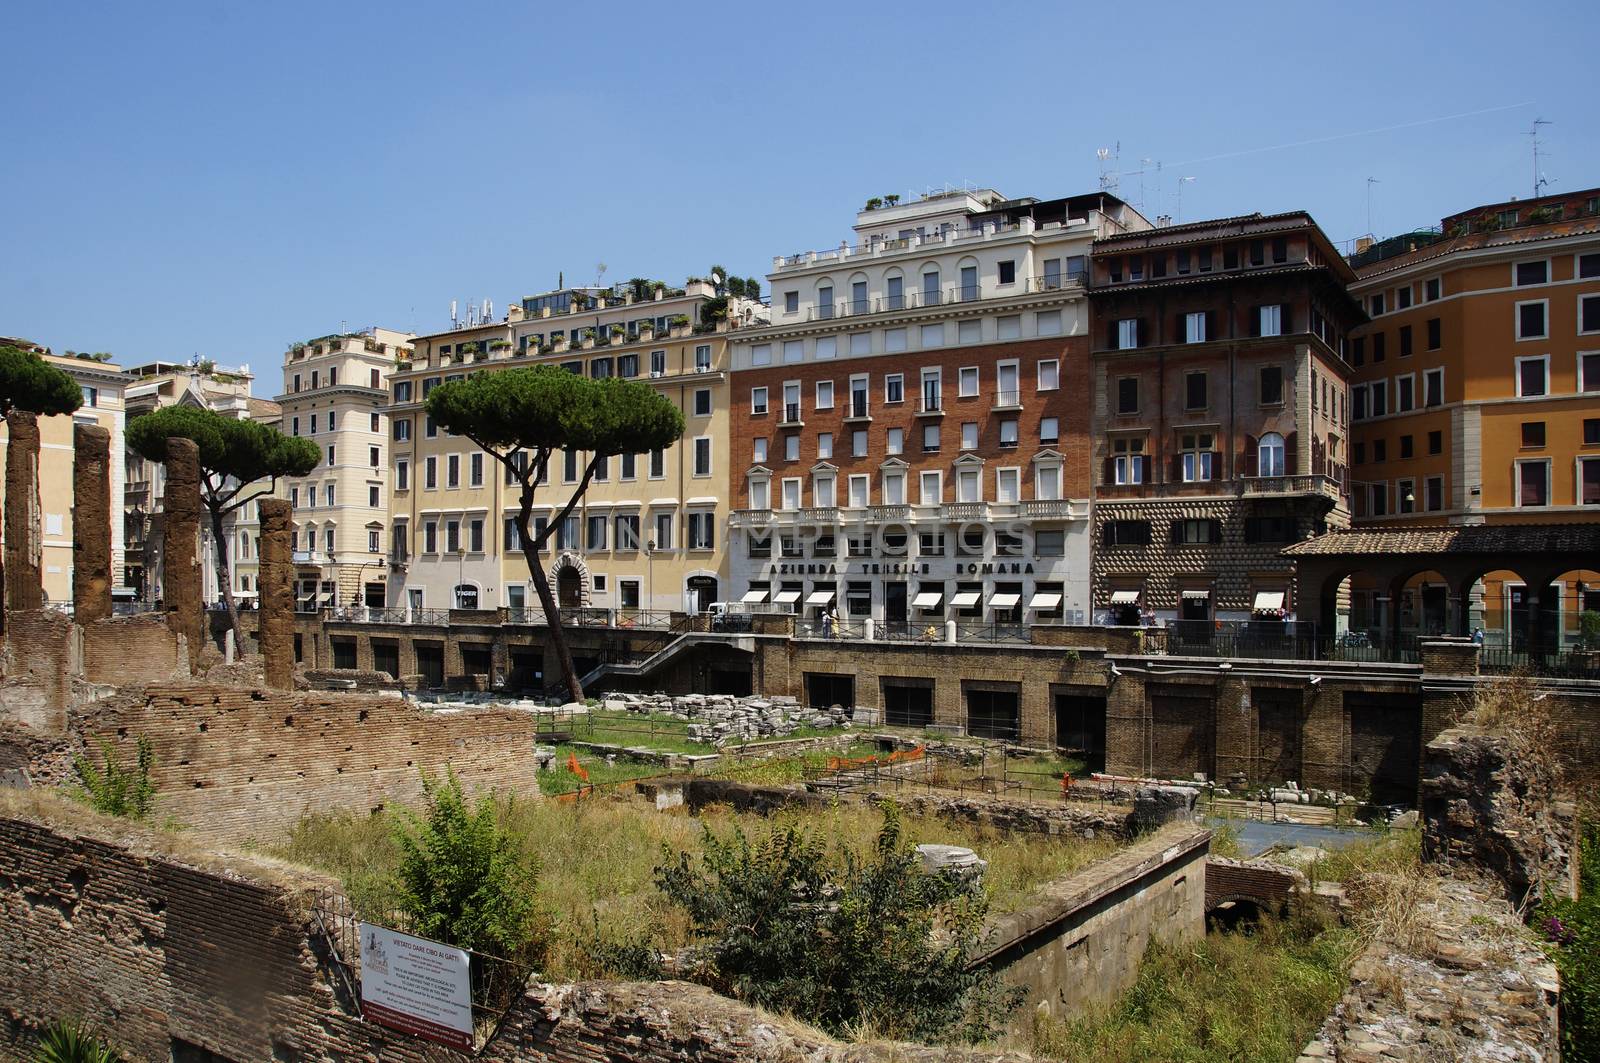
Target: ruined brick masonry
(91, 523)
(180, 586)
(277, 594)
(24, 546)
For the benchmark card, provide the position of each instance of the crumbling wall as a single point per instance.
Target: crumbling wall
(129, 650)
(1488, 808)
(24, 546)
(276, 631)
(234, 763)
(42, 658)
(91, 523)
(180, 552)
(170, 948)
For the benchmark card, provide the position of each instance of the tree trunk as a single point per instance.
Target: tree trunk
(552, 615)
(224, 579)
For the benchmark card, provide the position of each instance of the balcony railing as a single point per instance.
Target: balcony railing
(791, 413)
(1011, 397)
(930, 404)
(1242, 487)
(858, 407)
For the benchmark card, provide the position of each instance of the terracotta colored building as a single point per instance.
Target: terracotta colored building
(1221, 416)
(1476, 399)
(909, 435)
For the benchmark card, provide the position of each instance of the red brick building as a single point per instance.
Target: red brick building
(910, 435)
(1221, 416)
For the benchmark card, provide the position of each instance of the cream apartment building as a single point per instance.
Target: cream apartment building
(103, 384)
(334, 392)
(648, 534)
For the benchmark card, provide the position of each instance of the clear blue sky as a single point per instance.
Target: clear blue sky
(225, 178)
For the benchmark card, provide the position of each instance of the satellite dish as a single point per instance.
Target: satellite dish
(716, 278)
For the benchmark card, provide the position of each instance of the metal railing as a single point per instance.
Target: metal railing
(1008, 397)
(910, 631)
(995, 633)
(1555, 663)
(823, 627)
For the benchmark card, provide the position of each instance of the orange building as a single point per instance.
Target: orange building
(1475, 398)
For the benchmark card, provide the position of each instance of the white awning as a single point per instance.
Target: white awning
(928, 600)
(1268, 601)
(1004, 601)
(1045, 600)
(751, 597)
(965, 600)
(786, 597)
(821, 597)
(1124, 597)
(1192, 596)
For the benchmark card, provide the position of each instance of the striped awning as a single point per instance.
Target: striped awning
(965, 600)
(821, 597)
(753, 596)
(1004, 601)
(1193, 596)
(1268, 601)
(786, 597)
(1124, 597)
(1045, 600)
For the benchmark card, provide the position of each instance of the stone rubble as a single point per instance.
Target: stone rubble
(717, 719)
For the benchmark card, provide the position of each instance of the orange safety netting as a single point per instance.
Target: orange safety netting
(577, 769)
(899, 756)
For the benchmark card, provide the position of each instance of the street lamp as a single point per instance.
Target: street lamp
(650, 571)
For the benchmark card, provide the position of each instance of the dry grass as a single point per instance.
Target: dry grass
(1512, 706)
(598, 856)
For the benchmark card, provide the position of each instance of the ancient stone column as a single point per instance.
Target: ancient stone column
(180, 566)
(24, 543)
(91, 523)
(276, 587)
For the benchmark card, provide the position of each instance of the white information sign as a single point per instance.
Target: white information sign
(417, 986)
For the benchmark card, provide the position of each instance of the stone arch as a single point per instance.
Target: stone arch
(701, 587)
(568, 566)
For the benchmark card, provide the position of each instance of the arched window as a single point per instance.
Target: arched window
(466, 596)
(1269, 455)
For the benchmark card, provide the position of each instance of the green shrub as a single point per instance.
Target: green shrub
(1572, 928)
(1589, 625)
(853, 943)
(113, 789)
(463, 880)
(74, 1042)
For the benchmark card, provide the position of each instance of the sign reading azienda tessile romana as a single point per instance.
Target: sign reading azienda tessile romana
(417, 986)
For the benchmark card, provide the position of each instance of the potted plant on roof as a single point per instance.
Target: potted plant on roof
(587, 336)
(647, 330)
(558, 342)
(468, 351)
(679, 324)
(619, 333)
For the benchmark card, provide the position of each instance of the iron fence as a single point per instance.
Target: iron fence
(496, 982)
(994, 633)
(829, 627)
(911, 631)
(1555, 663)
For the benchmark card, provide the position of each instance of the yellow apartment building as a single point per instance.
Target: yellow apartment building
(1476, 396)
(649, 531)
(335, 389)
(103, 384)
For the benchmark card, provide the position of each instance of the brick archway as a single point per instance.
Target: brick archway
(569, 565)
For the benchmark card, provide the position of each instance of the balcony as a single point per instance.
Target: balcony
(1053, 509)
(1007, 400)
(1241, 487)
(930, 406)
(858, 409)
(791, 416)
(965, 511)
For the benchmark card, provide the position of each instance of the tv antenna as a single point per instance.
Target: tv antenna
(1108, 157)
(1181, 182)
(1370, 182)
(1539, 180)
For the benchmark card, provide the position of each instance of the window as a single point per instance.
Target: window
(1128, 394)
(861, 343)
(402, 429)
(452, 474)
(597, 531)
(895, 441)
(1378, 340)
(1533, 375)
(793, 351)
(402, 391)
(894, 339)
(452, 536)
(1589, 481)
(1271, 321)
(894, 388)
(1531, 323)
(1008, 327)
(760, 492)
(930, 439)
(931, 489)
(294, 426)
(1049, 431)
(932, 335)
(1047, 323)
(1402, 297)
(430, 429)
(1271, 385)
(1007, 485)
(1375, 304)
(1406, 495)
(1194, 327)
(1589, 371)
(1194, 390)
(658, 464)
(1269, 455)
(702, 456)
(569, 466)
(932, 391)
(1533, 482)
(1047, 482)
(1009, 436)
(1008, 272)
(1127, 334)
(969, 331)
(664, 539)
(1380, 450)
(402, 475)
(630, 466)
(967, 381)
(430, 537)
(1436, 442)
(702, 536)
(1527, 273)
(1532, 435)
(824, 394)
(1129, 464)
(373, 500)
(791, 302)
(1405, 393)
(1196, 532)
(758, 400)
(1380, 397)
(294, 498)
(1433, 493)
(1195, 458)
(861, 489)
(328, 494)
(330, 457)
(894, 488)
(1434, 334)
(858, 443)
(824, 446)
(968, 485)
(1125, 533)
(969, 435)
(1405, 341)
(1407, 448)
(758, 449)
(702, 358)
(702, 402)
(1588, 313)
(627, 365)
(330, 420)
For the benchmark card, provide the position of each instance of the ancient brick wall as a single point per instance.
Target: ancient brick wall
(170, 947)
(180, 561)
(24, 543)
(133, 649)
(41, 654)
(1268, 886)
(235, 763)
(276, 633)
(91, 523)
